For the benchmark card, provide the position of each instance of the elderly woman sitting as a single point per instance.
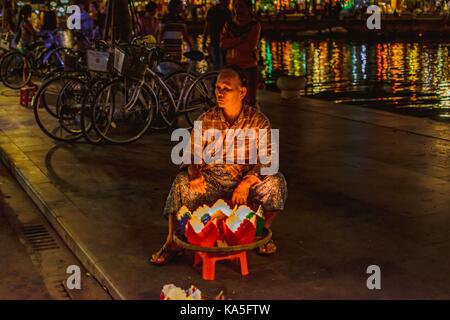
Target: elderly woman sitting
(243, 181)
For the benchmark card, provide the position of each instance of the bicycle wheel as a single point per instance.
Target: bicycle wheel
(69, 106)
(176, 84)
(53, 86)
(2, 55)
(54, 99)
(15, 70)
(200, 97)
(123, 110)
(89, 132)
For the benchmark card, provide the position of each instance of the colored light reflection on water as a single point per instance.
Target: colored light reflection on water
(408, 77)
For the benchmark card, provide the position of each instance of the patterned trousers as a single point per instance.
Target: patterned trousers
(270, 193)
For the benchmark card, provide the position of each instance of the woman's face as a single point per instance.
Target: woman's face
(229, 91)
(240, 9)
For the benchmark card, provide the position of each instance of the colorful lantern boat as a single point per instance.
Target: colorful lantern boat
(208, 226)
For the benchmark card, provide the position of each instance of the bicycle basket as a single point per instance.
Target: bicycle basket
(98, 61)
(130, 61)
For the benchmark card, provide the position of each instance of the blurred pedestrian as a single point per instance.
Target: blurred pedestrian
(25, 33)
(216, 18)
(98, 19)
(148, 23)
(87, 26)
(242, 45)
(173, 30)
(48, 18)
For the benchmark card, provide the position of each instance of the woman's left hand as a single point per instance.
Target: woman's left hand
(240, 194)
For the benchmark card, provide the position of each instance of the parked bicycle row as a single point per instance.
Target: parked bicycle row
(110, 94)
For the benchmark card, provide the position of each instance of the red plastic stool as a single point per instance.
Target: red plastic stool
(209, 262)
(27, 94)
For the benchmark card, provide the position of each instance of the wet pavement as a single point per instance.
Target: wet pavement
(33, 259)
(365, 188)
(19, 277)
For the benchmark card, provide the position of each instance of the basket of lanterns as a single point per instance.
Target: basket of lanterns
(220, 229)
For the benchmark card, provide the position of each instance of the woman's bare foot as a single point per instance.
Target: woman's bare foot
(166, 254)
(268, 249)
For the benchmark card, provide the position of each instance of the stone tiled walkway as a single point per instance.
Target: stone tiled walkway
(365, 187)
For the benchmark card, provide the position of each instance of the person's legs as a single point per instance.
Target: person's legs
(169, 248)
(252, 85)
(218, 186)
(269, 217)
(271, 194)
(179, 195)
(217, 57)
(223, 57)
(269, 248)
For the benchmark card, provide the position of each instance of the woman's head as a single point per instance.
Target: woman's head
(81, 4)
(175, 6)
(151, 7)
(93, 6)
(231, 87)
(243, 9)
(26, 11)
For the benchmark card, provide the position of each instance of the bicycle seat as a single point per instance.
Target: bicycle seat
(194, 55)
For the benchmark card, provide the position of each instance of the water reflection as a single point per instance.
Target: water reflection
(407, 77)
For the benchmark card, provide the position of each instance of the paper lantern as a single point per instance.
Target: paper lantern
(243, 234)
(202, 235)
(206, 225)
(240, 227)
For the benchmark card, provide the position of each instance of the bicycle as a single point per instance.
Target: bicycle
(17, 68)
(168, 100)
(58, 103)
(124, 107)
(194, 93)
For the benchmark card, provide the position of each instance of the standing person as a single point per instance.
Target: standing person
(25, 34)
(173, 30)
(87, 24)
(192, 7)
(216, 18)
(148, 22)
(93, 11)
(97, 19)
(242, 45)
(48, 18)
